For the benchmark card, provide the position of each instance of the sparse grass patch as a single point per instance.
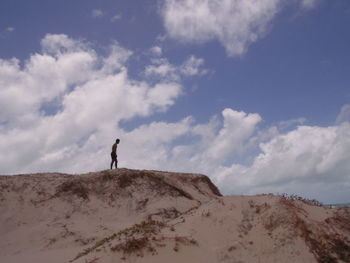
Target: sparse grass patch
(133, 245)
(97, 244)
(94, 260)
(168, 213)
(124, 180)
(107, 176)
(137, 240)
(74, 187)
(327, 246)
(184, 241)
(135, 232)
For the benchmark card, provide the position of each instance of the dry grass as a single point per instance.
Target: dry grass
(326, 247)
(113, 182)
(130, 238)
(322, 238)
(125, 180)
(94, 260)
(135, 246)
(341, 219)
(95, 246)
(139, 239)
(183, 240)
(74, 187)
(169, 213)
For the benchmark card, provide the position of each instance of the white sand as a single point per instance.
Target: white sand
(42, 221)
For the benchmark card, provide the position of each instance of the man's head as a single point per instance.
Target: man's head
(117, 141)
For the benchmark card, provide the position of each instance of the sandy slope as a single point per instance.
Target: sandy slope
(151, 216)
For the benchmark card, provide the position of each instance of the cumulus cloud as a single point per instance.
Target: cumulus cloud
(234, 23)
(311, 161)
(308, 159)
(161, 67)
(91, 94)
(62, 109)
(193, 66)
(237, 128)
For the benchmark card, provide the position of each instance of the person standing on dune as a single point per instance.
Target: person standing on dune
(114, 154)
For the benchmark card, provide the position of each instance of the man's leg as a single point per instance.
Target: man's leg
(112, 163)
(116, 163)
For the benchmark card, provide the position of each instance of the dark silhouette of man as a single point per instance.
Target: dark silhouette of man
(114, 154)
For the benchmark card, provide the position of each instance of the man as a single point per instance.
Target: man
(114, 154)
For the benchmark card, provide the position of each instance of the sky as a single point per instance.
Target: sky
(254, 94)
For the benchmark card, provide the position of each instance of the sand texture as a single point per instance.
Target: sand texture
(150, 216)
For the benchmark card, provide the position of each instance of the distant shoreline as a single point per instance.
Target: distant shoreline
(338, 205)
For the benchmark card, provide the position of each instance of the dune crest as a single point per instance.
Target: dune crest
(151, 216)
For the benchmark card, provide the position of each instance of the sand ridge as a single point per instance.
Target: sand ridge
(129, 215)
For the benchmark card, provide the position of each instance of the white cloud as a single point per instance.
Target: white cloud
(234, 23)
(161, 67)
(97, 13)
(306, 160)
(290, 123)
(193, 66)
(93, 94)
(148, 146)
(43, 78)
(237, 128)
(156, 50)
(62, 109)
(56, 44)
(344, 114)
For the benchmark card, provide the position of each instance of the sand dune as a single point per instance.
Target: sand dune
(150, 216)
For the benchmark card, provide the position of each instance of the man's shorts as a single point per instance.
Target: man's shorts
(113, 156)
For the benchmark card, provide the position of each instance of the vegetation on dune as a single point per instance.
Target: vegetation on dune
(74, 187)
(136, 240)
(324, 239)
(112, 181)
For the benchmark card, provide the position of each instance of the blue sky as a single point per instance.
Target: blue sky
(253, 94)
